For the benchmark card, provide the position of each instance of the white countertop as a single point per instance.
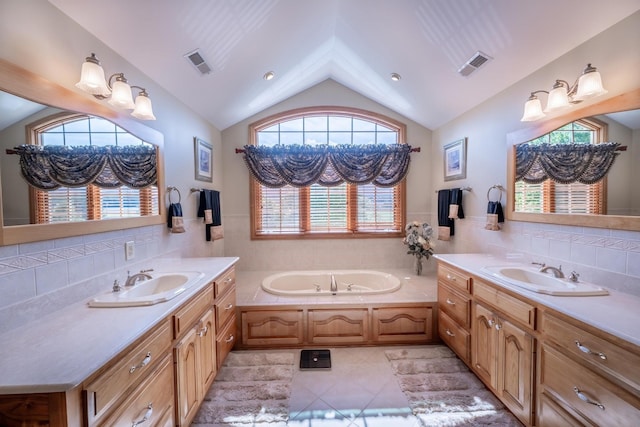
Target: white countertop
(617, 313)
(61, 350)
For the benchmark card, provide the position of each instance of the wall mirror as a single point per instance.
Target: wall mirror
(26, 98)
(621, 194)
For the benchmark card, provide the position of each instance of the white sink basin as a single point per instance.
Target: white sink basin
(160, 288)
(532, 279)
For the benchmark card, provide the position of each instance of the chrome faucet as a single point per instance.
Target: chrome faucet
(334, 284)
(557, 272)
(138, 277)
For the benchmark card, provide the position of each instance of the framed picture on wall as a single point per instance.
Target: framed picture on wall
(455, 160)
(203, 160)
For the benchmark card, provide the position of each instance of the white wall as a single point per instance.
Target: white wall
(41, 277)
(608, 257)
(316, 254)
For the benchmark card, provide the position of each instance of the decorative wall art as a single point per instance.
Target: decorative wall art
(455, 160)
(203, 160)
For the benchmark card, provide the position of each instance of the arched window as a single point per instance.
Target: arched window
(574, 198)
(315, 211)
(67, 204)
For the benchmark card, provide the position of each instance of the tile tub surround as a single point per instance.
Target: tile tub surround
(617, 313)
(78, 340)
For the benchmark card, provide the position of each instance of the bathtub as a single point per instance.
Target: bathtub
(318, 282)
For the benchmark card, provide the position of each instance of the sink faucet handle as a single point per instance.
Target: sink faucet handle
(147, 270)
(116, 286)
(539, 264)
(574, 276)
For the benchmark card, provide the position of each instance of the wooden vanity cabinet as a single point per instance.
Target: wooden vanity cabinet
(104, 390)
(503, 346)
(493, 332)
(454, 310)
(586, 376)
(225, 312)
(194, 353)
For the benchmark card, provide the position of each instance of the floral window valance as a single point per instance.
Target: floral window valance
(564, 163)
(328, 165)
(51, 167)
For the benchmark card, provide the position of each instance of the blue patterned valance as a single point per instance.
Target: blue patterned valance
(51, 167)
(328, 165)
(564, 163)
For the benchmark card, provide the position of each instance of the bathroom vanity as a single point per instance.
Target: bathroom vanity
(552, 360)
(118, 366)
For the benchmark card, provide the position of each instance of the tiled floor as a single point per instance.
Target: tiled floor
(360, 390)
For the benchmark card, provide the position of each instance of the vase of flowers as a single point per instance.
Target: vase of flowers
(418, 240)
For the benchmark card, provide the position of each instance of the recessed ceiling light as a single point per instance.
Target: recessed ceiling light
(395, 77)
(269, 75)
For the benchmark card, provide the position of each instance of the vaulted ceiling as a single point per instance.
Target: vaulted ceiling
(358, 43)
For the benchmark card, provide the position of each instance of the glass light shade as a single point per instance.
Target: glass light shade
(92, 79)
(532, 110)
(121, 96)
(557, 100)
(143, 110)
(589, 85)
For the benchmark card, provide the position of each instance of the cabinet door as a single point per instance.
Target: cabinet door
(483, 345)
(187, 373)
(515, 368)
(207, 337)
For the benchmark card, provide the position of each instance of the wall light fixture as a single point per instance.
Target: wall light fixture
(92, 80)
(562, 95)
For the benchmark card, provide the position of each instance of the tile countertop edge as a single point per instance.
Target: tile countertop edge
(592, 310)
(56, 353)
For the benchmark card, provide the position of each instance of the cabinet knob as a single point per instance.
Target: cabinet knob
(202, 332)
(228, 280)
(450, 302)
(450, 277)
(491, 322)
(229, 307)
(498, 326)
(448, 332)
(586, 398)
(587, 350)
(142, 364)
(146, 417)
(230, 339)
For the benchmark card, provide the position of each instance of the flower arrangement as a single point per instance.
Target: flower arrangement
(418, 239)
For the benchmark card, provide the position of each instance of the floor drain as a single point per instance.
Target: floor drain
(315, 359)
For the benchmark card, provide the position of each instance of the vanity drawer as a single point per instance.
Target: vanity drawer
(153, 399)
(454, 336)
(225, 308)
(594, 350)
(577, 386)
(454, 277)
(507, 304)
(192, 311)
(457, 306)
(102, 392)
(225, 281)
(225, 340)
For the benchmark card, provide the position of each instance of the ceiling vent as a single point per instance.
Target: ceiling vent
(476, 61)
(198, 61)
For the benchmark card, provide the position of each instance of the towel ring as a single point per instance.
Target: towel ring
(172, 189)
(498, 187)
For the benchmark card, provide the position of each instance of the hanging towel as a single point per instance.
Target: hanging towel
(174, 218)
(445, 225)
(455, 204)
(494, 216)
(209, 209)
